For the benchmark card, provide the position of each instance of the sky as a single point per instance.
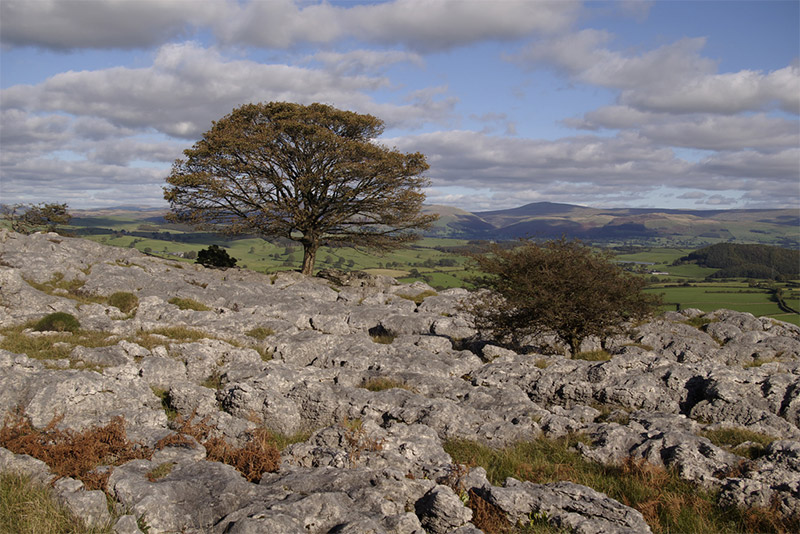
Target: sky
(628, 103)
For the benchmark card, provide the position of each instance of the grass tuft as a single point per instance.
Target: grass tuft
(382, 383)
(188, 304)
(593, 356)
(419, 297)
(733, 439)
(126, 302)
(260, 333)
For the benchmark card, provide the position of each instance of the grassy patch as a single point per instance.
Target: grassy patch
(593, 356)
(667, 502)
(732, 439)
(53, 346)
(124, 301)
(188, 304)
(160, 471)
(27, 507)
(163, 394)
(260, 333)
(418, 298)
(382, 383)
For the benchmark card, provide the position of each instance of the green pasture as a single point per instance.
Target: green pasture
(733, 296)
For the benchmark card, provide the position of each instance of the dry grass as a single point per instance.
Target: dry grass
(668, 503)
(593, 356)
(30, 508)
(382, 383)
(419, 297)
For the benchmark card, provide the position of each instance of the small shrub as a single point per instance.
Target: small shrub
(124, 301)
(384, 339)
(188, 304)
(58, 322)
(215, 257)
(213, 381)
(541, 363)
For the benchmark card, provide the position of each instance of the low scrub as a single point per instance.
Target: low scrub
(78, 454)
(258, 456)
(667, 502)
(69, 453)
(58, 322)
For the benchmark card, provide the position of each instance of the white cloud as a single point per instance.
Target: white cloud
(674, 78)
(698, 131)
(422, 25)
(365, 61)
(70, 24)
(188, 87)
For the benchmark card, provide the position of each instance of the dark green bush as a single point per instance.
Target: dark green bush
(58, 322)
(215, 257)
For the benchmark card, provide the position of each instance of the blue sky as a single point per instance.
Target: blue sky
(672, 104)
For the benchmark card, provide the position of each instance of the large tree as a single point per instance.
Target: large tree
(313, 174)
(562, 287)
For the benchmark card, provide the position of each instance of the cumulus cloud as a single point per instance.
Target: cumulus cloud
(674, 78)
(422, 25)
(699, 131)
(66, 24)
(189, 86)
(591, 169)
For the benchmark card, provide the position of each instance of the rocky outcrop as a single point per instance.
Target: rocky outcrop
(293, 354)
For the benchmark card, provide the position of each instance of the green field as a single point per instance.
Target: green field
(737, 296)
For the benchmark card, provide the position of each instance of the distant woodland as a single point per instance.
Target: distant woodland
(747, 261)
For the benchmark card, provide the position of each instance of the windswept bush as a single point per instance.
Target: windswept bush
(215, 257)
(562, 287)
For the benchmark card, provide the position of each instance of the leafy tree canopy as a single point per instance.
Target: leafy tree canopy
(312, 174)
(561, 287)
(29, 218)
(747, 261)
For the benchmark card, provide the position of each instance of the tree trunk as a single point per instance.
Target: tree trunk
(309, 255)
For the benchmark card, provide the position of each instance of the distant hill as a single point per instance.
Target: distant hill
(547, 220)
(689, 228)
